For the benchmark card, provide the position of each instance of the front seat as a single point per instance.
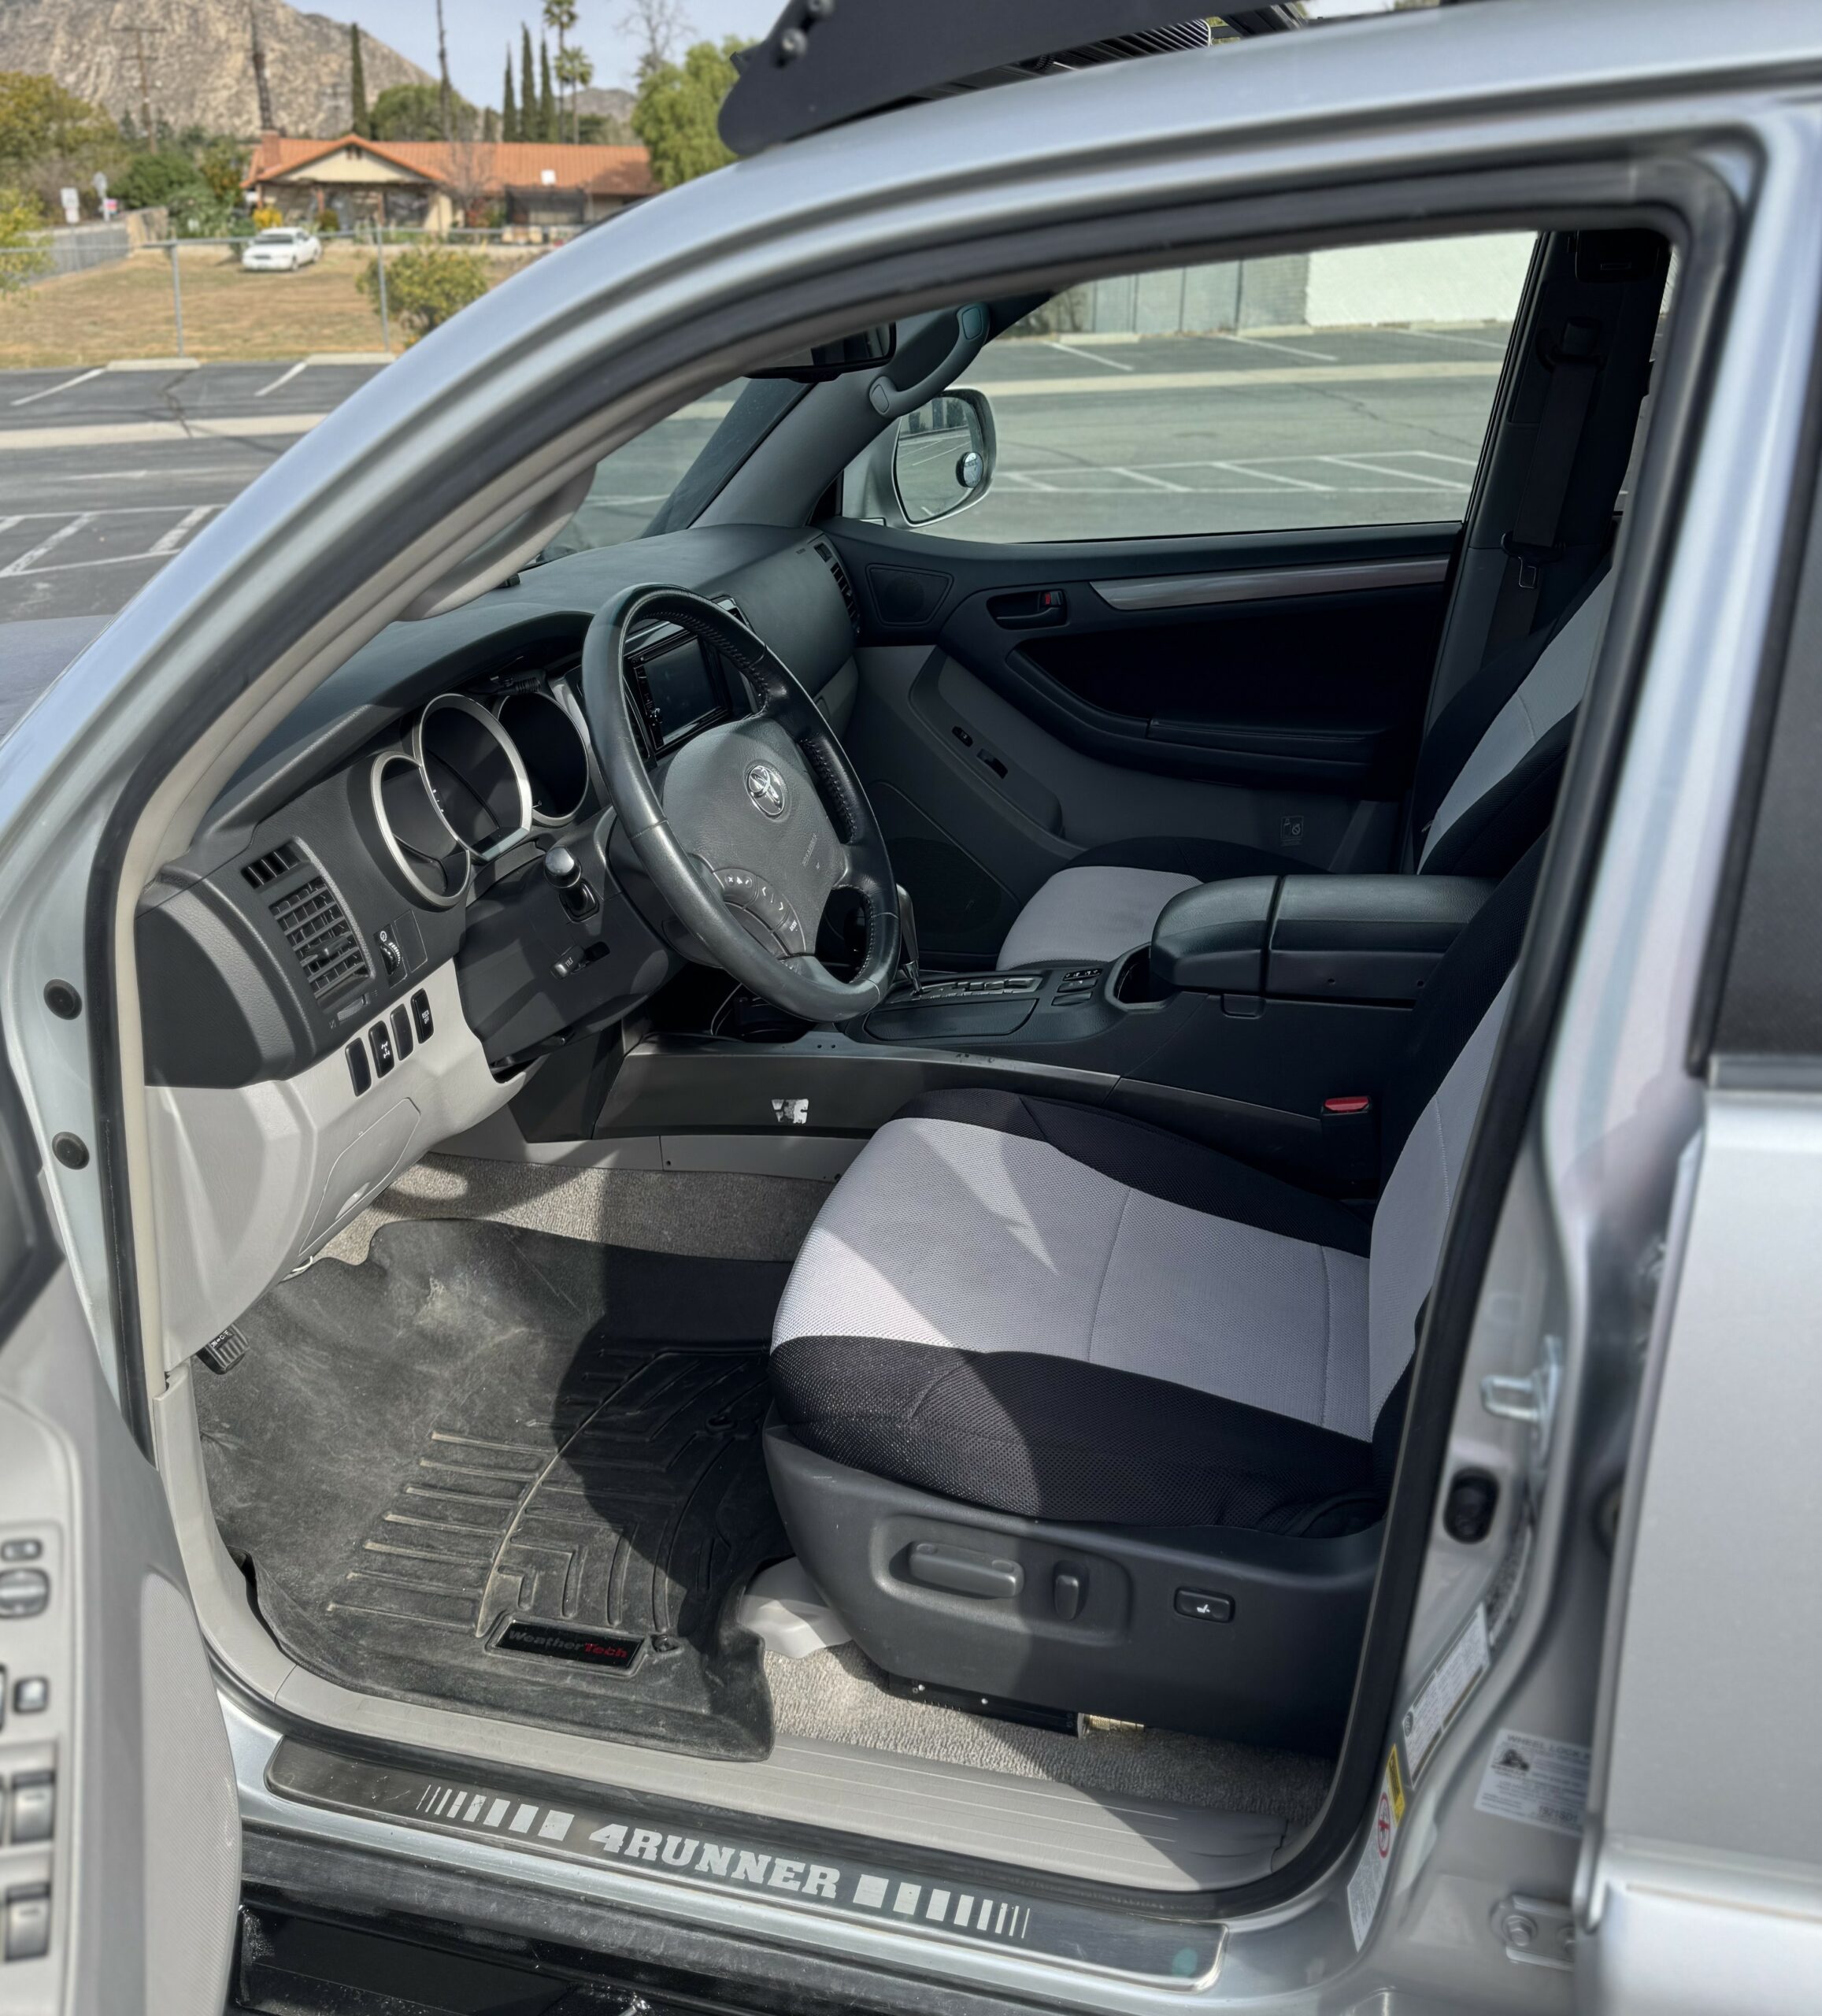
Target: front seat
(1486, 785)
(1075, 1411)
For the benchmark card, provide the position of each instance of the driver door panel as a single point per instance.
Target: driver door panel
(120, 1832)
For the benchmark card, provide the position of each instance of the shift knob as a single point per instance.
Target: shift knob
(562, 868)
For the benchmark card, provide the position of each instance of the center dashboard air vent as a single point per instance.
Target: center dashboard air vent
(832, 560)
(316, 928)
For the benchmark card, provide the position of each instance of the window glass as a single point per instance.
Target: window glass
(661, 478)
(1345, 386)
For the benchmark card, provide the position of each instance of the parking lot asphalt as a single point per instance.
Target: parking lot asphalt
(104, 474)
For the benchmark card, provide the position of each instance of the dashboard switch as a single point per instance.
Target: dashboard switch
(21, 1550)
(24, 1591)
(402, 1035)
(30, 1696)
(379, 1038)
(359, 1069)
(420, 1015)
(391, 951)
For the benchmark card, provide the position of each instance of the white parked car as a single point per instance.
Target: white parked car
(284, 250)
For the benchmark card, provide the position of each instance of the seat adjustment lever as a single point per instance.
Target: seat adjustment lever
(962, 1572)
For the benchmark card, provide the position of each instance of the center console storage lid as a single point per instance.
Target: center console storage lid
(1314, 937)
(1213, 939)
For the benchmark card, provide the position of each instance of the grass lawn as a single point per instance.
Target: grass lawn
(124, 310)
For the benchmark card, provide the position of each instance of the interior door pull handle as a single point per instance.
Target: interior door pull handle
(1035, 611)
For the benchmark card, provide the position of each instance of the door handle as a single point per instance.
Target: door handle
(1038, 610)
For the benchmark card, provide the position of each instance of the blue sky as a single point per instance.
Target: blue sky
(479, 30)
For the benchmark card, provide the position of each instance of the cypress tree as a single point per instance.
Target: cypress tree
(546, 97)
(527, 88)
(358, 121)
(509, 111)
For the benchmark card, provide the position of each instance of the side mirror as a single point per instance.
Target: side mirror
(943, 456)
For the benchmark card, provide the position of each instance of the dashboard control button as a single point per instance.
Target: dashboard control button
(33, 1808)
(359, 1069)
(28, 1922)
(401, 1035)
(420, 1015)
(391, 951)
(380, 1038)
(24, 1591)
(21, 1550)
(30, 1696)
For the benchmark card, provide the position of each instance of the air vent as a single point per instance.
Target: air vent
(263, 873)
(318, 930)
(842, 582)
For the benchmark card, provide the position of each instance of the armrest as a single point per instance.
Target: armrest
(1314, 937)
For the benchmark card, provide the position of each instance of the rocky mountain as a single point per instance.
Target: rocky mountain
(192, 60)
(595, 103)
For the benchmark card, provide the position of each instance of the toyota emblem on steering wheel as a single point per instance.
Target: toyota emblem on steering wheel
(766, 789)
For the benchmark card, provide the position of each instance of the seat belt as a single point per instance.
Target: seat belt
(1532, 542)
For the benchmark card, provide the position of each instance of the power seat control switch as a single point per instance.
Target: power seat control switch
(1203, 1603)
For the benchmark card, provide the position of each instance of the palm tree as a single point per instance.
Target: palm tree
(560, 15)
(576, 71)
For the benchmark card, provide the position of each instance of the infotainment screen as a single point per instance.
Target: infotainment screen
(683, 691)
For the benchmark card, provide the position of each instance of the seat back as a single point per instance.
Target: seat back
(1488, 772)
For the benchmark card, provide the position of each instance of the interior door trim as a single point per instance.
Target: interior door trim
(1269, 584)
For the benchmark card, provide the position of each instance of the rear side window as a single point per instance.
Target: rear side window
(1345, 386)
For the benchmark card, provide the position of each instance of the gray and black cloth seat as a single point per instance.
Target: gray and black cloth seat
(1041, 1373)
(1055, 1311)
(1485, 786)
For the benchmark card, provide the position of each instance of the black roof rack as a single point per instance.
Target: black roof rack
(827, 61)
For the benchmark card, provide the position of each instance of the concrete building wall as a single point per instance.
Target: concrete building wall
(1449, 280)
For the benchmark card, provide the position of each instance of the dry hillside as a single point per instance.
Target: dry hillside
(198, 60)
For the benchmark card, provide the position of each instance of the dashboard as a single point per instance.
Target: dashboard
(364, 950)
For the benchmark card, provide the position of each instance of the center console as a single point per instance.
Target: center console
(1265, 1016)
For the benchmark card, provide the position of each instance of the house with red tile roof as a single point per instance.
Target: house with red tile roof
(435, 184)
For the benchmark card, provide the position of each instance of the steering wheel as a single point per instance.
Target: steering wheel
(753, 824)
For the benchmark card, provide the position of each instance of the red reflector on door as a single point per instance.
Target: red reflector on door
(1352, 1103)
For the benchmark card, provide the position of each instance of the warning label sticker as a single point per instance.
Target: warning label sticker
(1535, 1780)
(1367, 1884)
(1445, 1690)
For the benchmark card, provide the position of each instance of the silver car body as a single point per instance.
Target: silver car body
(1657, 1235)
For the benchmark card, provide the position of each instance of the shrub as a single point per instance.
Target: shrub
(427, 285)
(267, 217)
(167, 180)
(22, 254)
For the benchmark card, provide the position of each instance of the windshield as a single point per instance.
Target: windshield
(660, 480)
(275, 238)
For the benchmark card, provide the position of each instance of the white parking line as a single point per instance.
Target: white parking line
(169, 542)
(1422, 477)
(284, 380)
(24, 565)
(81, 378)
(1290, 349)
(1069, 350)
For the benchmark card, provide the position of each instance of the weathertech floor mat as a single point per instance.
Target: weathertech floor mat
(493, 1469)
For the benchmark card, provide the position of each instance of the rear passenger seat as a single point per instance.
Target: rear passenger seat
(1486, 785)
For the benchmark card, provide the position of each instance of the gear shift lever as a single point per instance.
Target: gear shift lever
(908, 940)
